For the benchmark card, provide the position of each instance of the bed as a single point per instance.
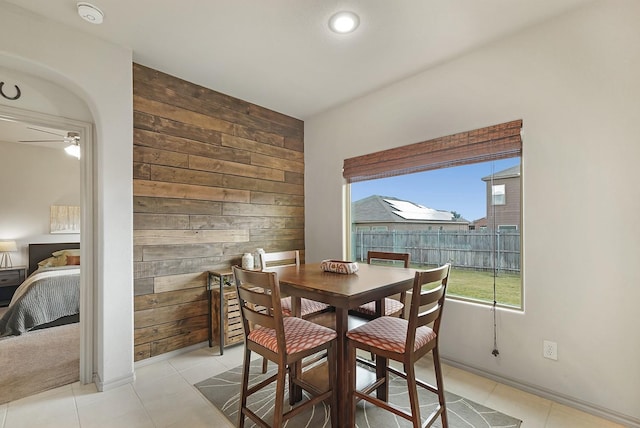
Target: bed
(50, 295)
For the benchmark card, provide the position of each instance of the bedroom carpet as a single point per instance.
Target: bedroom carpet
(39, 360)
(223, 391)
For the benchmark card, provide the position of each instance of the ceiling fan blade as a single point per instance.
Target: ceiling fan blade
(42, 141)
(42, 130)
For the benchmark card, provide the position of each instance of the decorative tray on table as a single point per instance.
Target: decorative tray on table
(339, 266)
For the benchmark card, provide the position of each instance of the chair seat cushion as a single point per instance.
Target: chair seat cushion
(299, 334)
(307, 307)
(390, 333)
(391, 307)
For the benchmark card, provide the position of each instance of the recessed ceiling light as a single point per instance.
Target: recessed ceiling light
(344, 22)
(90, 13)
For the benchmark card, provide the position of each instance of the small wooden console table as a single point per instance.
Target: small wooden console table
(228, 310)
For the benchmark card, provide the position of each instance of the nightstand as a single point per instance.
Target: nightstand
(10, 279)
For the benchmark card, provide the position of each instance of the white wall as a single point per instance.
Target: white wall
(574, 81)
(100, 74)
(34, 178)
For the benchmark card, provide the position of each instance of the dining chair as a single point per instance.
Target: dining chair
(308, 307)
(392, 307)
(283, 340)
(406, 341)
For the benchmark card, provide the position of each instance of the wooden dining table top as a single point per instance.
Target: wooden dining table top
(370, 282)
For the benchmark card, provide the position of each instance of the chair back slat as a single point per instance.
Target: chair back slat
(423, 296)
(256, 296)
(255, 307)
(377, 256)
(279, 259)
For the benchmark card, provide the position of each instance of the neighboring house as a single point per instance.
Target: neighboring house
(382, 213)
(503, 200)
(479, 224)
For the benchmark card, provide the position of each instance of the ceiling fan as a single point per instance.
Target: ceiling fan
(72, 138)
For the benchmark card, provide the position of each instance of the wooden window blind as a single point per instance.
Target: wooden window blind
(480, 145)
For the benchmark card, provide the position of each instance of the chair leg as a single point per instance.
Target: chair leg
(278, 408)
(440, 385)
(265, 362)
(413, 395)
(245, 386)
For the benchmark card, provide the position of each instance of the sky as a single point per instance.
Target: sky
(458, 189)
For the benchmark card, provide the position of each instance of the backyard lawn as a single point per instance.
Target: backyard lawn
(479, 286)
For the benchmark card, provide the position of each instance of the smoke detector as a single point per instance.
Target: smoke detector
(90, 13)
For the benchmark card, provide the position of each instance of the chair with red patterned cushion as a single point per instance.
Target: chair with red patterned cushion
(283, 340)
(291, 258)
(406, 341)
(308, 308)
(392, 307)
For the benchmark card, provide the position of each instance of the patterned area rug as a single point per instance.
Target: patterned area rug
(223, 391)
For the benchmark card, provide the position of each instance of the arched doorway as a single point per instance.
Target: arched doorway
(85, 131)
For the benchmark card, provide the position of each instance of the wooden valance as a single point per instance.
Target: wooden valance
(480, 145)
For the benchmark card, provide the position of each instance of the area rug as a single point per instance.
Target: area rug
(223, 391)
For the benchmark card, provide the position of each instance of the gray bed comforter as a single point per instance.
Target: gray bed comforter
(40, 300)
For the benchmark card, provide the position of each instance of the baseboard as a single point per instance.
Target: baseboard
(551, 395)
(168, 355)
(124, 380)
(106, 386)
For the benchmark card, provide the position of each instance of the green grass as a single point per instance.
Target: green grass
(477, 285)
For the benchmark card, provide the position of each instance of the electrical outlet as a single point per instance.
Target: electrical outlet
(550, 350)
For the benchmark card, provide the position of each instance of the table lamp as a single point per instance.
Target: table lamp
(7, 247)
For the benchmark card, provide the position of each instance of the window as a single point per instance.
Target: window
(379, 228)
(497, 194)
(446, 208)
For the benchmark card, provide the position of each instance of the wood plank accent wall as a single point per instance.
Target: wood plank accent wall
(213, 177)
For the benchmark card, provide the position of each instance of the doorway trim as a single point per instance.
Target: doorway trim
(88, 280)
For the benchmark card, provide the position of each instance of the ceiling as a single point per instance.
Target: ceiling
(281, 55)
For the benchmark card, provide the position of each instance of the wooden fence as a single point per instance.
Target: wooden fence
(481, 250)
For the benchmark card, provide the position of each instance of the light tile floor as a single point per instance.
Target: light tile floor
(163, 395)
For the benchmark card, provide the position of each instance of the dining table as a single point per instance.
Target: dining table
(344, 292)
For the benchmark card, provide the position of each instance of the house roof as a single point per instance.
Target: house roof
(385, 209)
(512, 172)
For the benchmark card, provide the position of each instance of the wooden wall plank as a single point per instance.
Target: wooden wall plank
(235, 222)
(265, 210)
(181, 175)
(160, 221)
(179, 341)
(286, 165)
(263, 149)
(144, 204)
(157, 140)
(179, 282)
(181, 115)
(236, 182)
(162, 331)
(235, 168)
(188, 191)
(175, 237)
(171, 127)
(149, 317)
(159, 157)
(169, 298)
(190, 251)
